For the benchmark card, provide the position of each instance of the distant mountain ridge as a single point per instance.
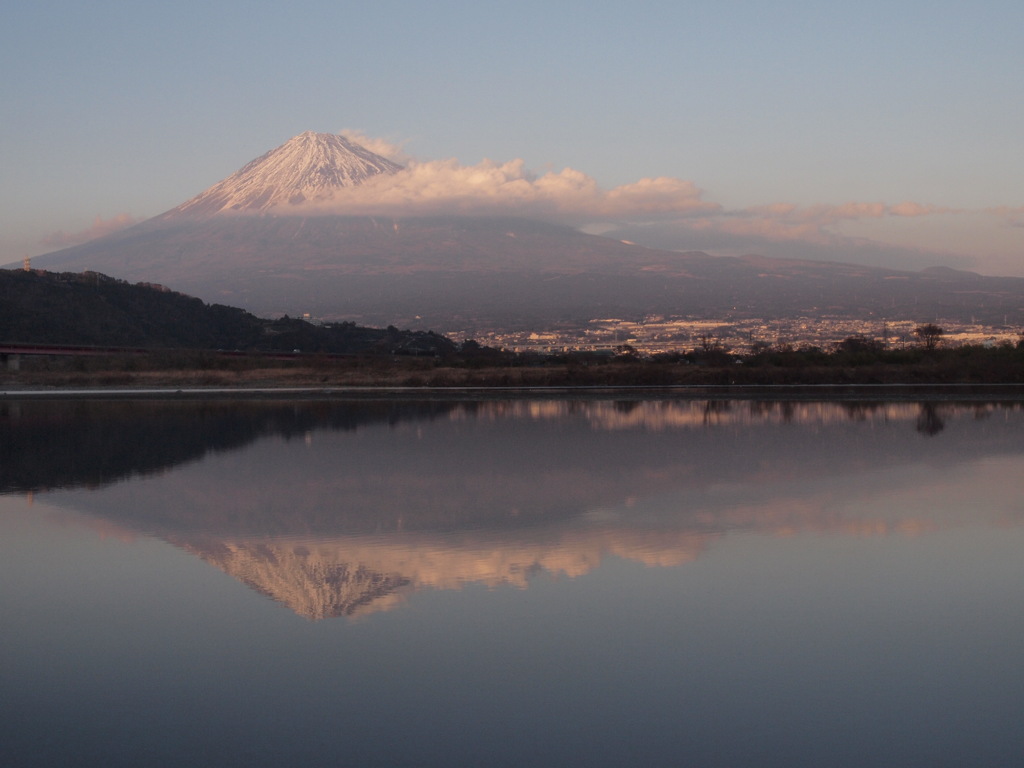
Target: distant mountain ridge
(471, 274)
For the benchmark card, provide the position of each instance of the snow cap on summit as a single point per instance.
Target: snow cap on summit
(306, 168)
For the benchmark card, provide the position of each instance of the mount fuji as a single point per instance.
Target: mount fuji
(273, 239)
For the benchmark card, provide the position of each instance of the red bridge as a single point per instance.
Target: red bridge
(11, 353)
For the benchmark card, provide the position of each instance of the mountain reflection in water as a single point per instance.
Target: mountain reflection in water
(344, 508)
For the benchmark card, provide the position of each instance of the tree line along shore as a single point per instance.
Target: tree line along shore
(855, 361)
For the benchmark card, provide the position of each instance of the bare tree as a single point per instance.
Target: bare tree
(929, 335)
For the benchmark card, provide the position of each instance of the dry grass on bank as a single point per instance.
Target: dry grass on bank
(198, 370)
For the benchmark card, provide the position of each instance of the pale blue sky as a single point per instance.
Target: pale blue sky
(113, 108)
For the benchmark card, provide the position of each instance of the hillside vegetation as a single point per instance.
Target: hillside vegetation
(90, 309)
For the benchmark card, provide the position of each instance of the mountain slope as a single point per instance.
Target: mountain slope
(453, 274)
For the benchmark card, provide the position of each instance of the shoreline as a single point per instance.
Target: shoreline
(781, 392)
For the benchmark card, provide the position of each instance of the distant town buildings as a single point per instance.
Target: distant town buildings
(663, 334)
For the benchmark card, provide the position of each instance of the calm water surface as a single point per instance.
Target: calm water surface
(511, 583)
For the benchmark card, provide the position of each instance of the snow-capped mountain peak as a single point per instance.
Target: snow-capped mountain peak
(307, 167)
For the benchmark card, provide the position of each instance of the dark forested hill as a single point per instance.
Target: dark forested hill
(92, 309)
